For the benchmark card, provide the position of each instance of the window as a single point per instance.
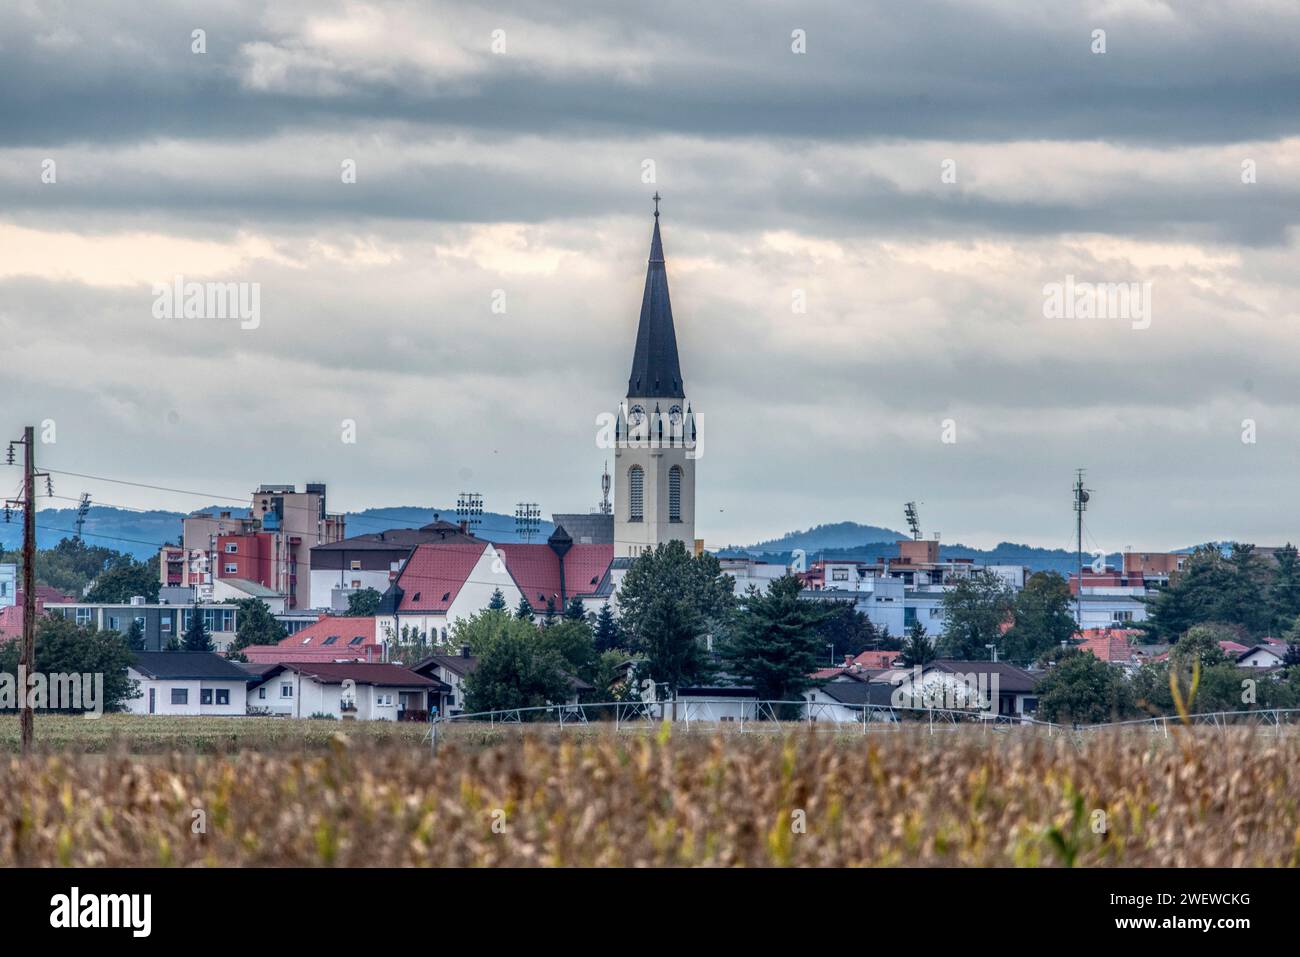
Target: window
(219, 619)
(114, 623)
(180, 696)
(328, 641)
(675, 494)
(231, 568)
(286, 690)
(223, 696)
(357, 640)
(356, 565)
(261, 694)
(839, 574)
(139, 620)
(635, 494)
(232, 548)
(165, 624)
(83, 616)
(1121, 616)
(205, 696)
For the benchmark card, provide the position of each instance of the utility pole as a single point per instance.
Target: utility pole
(27, 652)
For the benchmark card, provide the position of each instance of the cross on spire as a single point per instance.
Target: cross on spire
(656, 198)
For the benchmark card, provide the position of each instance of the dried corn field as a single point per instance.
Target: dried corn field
(1202, 798)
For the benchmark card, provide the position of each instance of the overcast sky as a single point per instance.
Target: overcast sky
(516, 161)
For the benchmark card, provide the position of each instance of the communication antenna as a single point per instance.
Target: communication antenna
(528, 520)
(605, 507)
(913, 520)
(82, 508)
(1081, 498)
(469, 510)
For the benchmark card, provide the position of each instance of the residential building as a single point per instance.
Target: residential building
(161, 622)
(8, 584)
(331, 638)
(451, 670)
(373, 560)
(995, 688)
(270, 547)
(352, 690)
(443, 583)
(187, 683)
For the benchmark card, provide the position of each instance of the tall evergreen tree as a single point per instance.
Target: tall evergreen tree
(575, 610)
(498, 601)
(524, 610)
(135, 636)
(774, 643)
(1284, 591)
(609, 634)
(257, 626)
(197, 637)
(918, 647)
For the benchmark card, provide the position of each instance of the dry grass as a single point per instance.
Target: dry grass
(1211, 798)
(160, 734)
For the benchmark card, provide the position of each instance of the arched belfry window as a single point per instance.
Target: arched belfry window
(635, 494)
(675, 494)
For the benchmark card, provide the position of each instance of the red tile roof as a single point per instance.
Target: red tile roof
(309, 644)
(877, 659)
(1111, 648)
(434, 575)
(536, 570)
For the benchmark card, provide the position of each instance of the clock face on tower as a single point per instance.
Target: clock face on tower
(636, 416)
(675, 415)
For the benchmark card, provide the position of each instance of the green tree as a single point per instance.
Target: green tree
(524, 611)
(575, 610)
(1085, 690)
(364, 602)
(549, 616)
(124, 579)
(670, 636)
(135, 636)
(498, 601)
(1201, 642)
(698, 581)
(609, 634)
(918, 647)
(1041, 618)
(1284, 591)
(848, 631)
(516, 670)
(64, 647)
(574, 642)
(257, 626)
(774, 643)
(197, 636)
(975, 609)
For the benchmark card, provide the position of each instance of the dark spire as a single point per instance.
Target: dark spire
(655, 369)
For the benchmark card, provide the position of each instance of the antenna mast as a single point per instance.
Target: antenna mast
(605, 507)
(1081, 497)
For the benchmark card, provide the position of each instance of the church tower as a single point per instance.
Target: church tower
(655, 433)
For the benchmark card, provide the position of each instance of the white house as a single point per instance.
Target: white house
(187, 682)
(995, 688)
(1261, 656)
(353, 690)
(844, 699)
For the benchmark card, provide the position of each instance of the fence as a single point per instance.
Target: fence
(751, 716)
